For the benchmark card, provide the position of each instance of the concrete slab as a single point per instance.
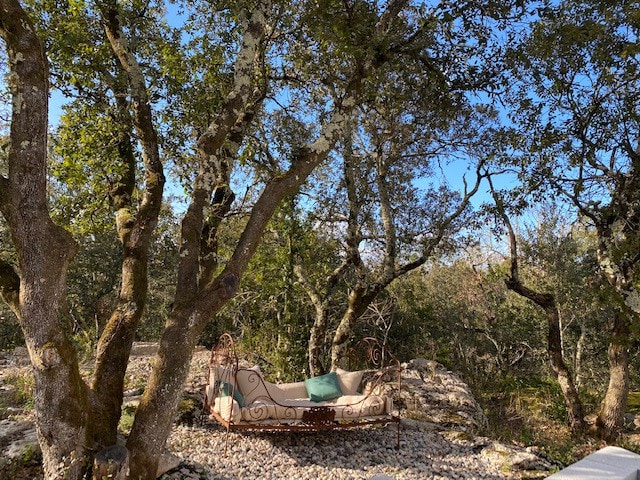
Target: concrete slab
(609, 463)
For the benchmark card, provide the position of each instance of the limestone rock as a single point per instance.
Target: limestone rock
(17, 438)
(167, 462)
(432, 393)
(516, 459)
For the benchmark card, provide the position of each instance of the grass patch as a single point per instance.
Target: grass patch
(18, 393)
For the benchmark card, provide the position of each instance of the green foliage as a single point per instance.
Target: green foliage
(127, 418)
(10, 333)
(633, 403)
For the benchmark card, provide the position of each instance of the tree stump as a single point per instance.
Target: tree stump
(111, 463)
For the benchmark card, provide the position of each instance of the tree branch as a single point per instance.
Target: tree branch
(143, 120)
(446, 222)
(353, 237)
(216, 163)
(308, 287)
(393, 9)
(386, 213)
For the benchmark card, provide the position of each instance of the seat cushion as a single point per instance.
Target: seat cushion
(228, 409)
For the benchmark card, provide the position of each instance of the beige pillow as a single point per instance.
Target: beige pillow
(291, 390)
(251, 384)
(349, 381)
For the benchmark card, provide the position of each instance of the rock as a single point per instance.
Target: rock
(167, 462)
(21, 356)
(134, 392)
(144, 349)
(632, 422)
(432, 393)
(17, 438)
(515, 459)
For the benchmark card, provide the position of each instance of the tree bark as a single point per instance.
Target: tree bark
(359, 300)
(580, 344)
(44, 251)
(610, 418)
(134, 232)
(547, 302)
(554, 350)
(320, 325)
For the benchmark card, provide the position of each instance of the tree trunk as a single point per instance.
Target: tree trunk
(358, 302)
(316, 342)
(579, 354)
(318, 333)
(547, 302)
(554, 349)
(157, 407)
(134, 233)
(114, 347)
(44, 251)
(611, 416)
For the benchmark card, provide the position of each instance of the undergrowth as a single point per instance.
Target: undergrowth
(533, 413)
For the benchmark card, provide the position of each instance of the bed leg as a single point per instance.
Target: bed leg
(226, 440)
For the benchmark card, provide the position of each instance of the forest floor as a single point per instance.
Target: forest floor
(516, 445)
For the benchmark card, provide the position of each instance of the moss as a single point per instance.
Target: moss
(633, 403)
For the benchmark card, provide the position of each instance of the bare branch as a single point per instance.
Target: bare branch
(446, 222)
(313, 294)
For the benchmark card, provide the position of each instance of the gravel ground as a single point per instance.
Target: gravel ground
(363, 453)
(353, 454)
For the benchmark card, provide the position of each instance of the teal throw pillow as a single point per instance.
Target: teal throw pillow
(324, 387)
(227, 390)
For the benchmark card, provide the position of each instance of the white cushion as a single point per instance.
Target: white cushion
(228, 409)
(347, 407)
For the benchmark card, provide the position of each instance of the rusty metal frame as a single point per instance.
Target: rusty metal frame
(382, 372)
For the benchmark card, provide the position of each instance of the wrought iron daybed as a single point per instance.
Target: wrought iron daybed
(240, 398)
